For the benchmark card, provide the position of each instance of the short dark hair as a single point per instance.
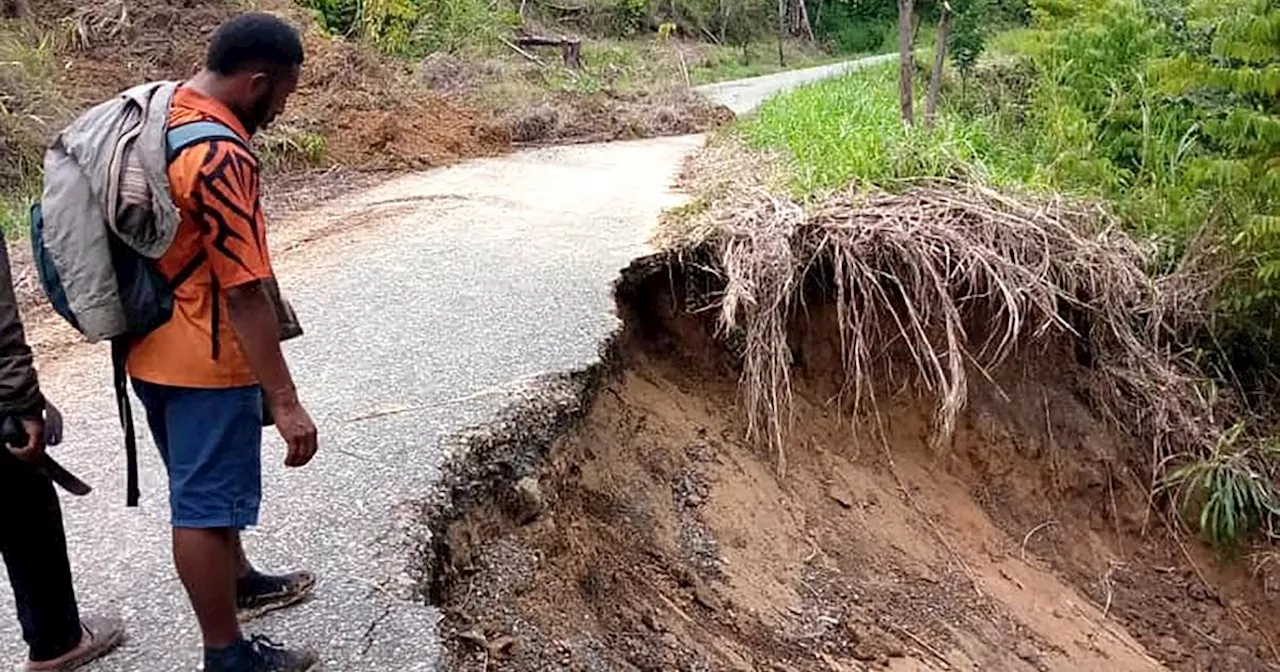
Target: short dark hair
(254, 38)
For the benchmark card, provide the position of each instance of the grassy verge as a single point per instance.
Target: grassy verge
(849, 130)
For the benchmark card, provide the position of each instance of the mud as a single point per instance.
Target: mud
(625, 523)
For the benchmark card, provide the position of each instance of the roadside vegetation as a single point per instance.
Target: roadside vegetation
(630, 76)
(1164, 112)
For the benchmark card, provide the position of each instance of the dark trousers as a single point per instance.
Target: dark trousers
(35, 553)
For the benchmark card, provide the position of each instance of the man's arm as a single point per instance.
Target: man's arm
(253, 316)
(236, 244)
(19, 389)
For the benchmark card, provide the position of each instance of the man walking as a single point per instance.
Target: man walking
(31, 536)
(204, 375)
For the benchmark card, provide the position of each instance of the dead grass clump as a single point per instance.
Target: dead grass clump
(955, 279)
(603, 116)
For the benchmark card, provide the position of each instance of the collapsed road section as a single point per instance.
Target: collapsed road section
(840, 448)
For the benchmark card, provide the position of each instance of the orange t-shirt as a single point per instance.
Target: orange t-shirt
(215, 186)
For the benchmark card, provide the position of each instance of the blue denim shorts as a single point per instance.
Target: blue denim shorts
(211, 444)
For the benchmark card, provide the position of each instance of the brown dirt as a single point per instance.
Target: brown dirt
(636, 529)
(371, 110)
(601, 117)
(374, 112)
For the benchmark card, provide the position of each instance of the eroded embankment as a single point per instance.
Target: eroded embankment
(623, 521)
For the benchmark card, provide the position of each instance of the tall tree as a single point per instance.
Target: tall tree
(939, 59)
(906, 62)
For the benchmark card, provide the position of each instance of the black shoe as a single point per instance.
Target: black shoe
(258, 654)
(259, 593)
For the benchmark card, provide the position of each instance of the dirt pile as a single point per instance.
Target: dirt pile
(601, 117)
(354, 107)
(879, 433)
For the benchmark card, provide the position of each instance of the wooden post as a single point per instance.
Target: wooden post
(782, 32)
(573, 54)
(906, 66)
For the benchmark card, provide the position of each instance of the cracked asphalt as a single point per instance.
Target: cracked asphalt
(437, 291)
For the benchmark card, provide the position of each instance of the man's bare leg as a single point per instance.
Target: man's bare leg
(207, 561)
(243, 566)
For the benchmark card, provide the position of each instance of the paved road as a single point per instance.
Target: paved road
(446, 287)
(744, 95)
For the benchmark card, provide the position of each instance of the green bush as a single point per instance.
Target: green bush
(412, 27)
(856, 26)
(1230, 493)
(849, 37)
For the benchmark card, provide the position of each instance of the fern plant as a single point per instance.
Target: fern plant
(1230, 493)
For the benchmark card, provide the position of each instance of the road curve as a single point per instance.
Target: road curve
(436, 291)
(744, 95)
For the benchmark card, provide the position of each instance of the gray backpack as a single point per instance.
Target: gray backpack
(106, 216)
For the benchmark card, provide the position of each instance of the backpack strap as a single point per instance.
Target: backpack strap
(179, 138)
(120, 377)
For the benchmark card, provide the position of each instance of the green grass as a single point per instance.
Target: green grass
(14, 218)
(720, 63)
(849, 130)
(29, 104)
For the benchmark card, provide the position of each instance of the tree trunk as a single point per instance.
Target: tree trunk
(798, 19)
(906, 62)
(782, 32)
(939, 60)
(724, 21)
(804, 29)
(14, 9)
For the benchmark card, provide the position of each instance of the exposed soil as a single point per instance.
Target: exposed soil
(540, 106)
(623, 522)
(601, 117)
(370, 109)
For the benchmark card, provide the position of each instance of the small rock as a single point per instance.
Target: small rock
(503, 646)
(1172, 649)
(650, 622)
(1198, 592)
(842, 496)
(529, 499)
(1056, 613)
(475, 638)
(893, 647)
(1027, 652)
(704, 596)
(693, 500)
